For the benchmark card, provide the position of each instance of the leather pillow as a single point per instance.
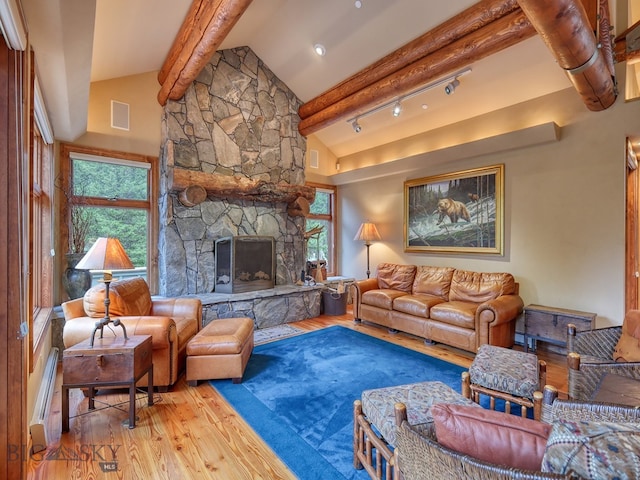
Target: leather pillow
(433, 280)
(490, 436)
(396, 277)
(128, 297)
(628, 347)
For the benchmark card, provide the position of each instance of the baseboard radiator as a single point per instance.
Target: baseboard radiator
(37, 427)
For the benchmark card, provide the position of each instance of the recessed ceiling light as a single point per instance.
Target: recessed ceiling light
(358, 4)
(319, 49)
(425, 106)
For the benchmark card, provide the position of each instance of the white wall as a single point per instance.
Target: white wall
(564, 210)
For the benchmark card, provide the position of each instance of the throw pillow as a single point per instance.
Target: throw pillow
(128, 297)
(396, 277)
(593, 449)
(494, 437)
(628, 347)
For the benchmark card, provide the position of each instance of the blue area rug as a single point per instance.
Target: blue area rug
(298, 394)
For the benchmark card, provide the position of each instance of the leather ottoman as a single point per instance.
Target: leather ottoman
(220, 350)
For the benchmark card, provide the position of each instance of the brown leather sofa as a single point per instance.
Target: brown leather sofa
(171, 322)
(460, 308)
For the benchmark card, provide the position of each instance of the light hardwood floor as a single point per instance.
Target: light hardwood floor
(191, 433)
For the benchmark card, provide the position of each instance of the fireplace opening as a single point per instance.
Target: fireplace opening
(244, 263)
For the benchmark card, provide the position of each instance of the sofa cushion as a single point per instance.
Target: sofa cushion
(461, 314)
(417, 304)
(491, 436)
(396, 277)
(128, 297)
(382, 298)
(593, 449)
(479, 287)
(433, 281)
(628, 346)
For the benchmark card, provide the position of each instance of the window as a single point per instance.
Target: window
(321, 246)
(40, 221)
(114, 195)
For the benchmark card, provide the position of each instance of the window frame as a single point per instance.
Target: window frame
(67, 152)
(332, 190)
(41, 240)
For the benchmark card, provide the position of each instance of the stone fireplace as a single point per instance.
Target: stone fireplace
(244, 264)
(233, 140)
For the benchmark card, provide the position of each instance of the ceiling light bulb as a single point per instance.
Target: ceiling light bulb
(356, 126)
(451, 86)
(397, 108)
(319, 49)
(358, 4)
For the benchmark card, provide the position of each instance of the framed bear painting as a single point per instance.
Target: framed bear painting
(461, 212)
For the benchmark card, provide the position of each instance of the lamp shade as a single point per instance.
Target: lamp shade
(106, 254)
(367, 233)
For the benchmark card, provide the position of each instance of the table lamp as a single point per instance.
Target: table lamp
(367, 233)
(106, 254)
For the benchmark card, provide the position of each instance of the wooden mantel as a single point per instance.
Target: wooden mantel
(227, 186)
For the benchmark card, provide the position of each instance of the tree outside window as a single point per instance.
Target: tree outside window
(321, 246)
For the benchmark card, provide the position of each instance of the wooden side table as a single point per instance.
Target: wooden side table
(549, 324)
(111, 362)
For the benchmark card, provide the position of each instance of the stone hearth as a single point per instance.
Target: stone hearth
(267, 308)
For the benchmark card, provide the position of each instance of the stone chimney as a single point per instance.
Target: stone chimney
(234, 139)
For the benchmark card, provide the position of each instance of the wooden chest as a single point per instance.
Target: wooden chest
(111, 360)
(549, 324)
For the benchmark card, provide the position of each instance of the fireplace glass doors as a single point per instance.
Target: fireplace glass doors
(244, 263)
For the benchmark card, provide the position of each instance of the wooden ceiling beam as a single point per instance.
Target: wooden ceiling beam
(491, 38)
(627, 44)
(564, 26)
(473, 18)
(204, 28)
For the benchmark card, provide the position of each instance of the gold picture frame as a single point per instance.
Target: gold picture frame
(459, 212)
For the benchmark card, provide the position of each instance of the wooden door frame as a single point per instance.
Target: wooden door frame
(14, 124)
(632, 243)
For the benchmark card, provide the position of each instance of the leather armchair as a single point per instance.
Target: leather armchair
(171, 322)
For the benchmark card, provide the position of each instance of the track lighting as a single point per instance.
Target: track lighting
(450, 82)
(319, 49)
(451, 86)
(397, 109)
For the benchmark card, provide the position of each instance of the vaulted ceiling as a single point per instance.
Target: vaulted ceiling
(80, 41)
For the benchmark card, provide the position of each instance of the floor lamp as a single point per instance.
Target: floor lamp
(106, 254)
(367, 233)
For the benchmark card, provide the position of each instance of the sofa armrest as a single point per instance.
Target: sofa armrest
(162, 329)
(500, 310)
(358, 289)
(496, 321)
(178, 308)
(73, 309)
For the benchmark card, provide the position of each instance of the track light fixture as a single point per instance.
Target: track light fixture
(450, 82)
(451, 86)
(397, 109)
